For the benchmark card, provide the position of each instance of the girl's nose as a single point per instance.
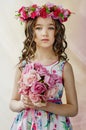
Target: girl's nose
(45, 32)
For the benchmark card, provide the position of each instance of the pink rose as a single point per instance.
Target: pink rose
(56, 78)
(51, 92)
(24, 15)
(37, 99)
(40, 69)
(57, 12)
(43, 12)
(33, 15)
(19, 128)
(50, 80)
(34, 6)
(22, 19)
(49, 5)
(34, 97)
(66, 13)
(24, 90)
(27, 68)
(38, 88)
(22, 8)
(23, 12)
(30, 78)
(35, 82)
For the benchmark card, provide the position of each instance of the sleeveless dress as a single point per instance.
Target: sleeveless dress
(43, 120)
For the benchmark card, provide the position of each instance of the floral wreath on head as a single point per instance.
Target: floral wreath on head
(44, 11)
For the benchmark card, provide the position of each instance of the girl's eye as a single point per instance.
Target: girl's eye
(38, 28)
(51, 28)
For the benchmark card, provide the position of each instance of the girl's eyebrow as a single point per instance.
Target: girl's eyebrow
(51, 24)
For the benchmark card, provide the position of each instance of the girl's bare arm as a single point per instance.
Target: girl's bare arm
(16, 104)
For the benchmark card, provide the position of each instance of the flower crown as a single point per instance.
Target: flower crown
(45, 11)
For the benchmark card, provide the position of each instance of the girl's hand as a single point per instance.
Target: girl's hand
(27, 102)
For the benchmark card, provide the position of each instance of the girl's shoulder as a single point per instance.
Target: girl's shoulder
(67, 69)
(65, 65)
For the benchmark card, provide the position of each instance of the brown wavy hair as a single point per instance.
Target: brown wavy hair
(59, 45)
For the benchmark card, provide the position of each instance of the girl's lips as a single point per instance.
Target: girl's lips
(45, 39)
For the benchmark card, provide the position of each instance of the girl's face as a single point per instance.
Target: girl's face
(44, 32)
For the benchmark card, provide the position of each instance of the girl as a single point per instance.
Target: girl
(45, 43)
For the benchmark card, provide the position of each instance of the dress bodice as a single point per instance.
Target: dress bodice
(43, 120)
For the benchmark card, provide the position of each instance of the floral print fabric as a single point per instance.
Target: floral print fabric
(31, 119)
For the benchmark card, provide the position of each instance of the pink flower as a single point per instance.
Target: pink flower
(57, 12)
(40, 69)
(47, 10)
(24, 90)
(51, 79)
(25, 114)
(23, 13)
(38, 84)
(66, 13)
(54, 71)
(20, 128)
(33, 15)
(34, 126)
(34, 97)
(57, 78)
(39, 113)
(38, 11)
(51, 92)
(20, 10)
(34, 6)
(49, 5)
(27, 68)
(38, 88)
(43, 13)
(30, 77)
(37, 99)
(22, 19)
(63, 20)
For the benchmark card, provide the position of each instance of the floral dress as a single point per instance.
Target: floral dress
(31, 119)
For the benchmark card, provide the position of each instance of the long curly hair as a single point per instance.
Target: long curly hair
(59, 45)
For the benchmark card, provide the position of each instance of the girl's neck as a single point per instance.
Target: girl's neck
(44, 52)
(45, 55)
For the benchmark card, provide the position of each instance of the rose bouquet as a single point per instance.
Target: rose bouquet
(38, 84)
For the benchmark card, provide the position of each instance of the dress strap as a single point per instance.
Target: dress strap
(23, 63)
(61, 64)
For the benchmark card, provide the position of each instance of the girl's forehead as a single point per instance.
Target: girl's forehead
(45, 21)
